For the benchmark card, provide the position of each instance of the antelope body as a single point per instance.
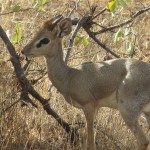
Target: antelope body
(123, 84)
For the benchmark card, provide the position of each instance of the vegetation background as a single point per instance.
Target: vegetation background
(30, 128)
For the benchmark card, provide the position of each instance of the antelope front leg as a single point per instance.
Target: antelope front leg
(90, 111)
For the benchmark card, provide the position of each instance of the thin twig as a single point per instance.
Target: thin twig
(89, 5)
(102, 11)
(78, 26)
(135, 15)
(101, 44)
(6, 109)
(91, 34)
(71, 41)
(74, 8)
(25, 67)
(27, 88)
(7, 13)
(17, 65)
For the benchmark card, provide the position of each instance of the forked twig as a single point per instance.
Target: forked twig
(93, 34)
(78, 26)
(86, 25)
(100, 43)
(74, 8)
(102, 11)
(17, 65)
(135, 15)
(6, 109)
(27, 88)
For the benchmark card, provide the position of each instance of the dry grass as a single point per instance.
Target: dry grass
(30, 128)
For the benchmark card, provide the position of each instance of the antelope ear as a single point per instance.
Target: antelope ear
(64, 27)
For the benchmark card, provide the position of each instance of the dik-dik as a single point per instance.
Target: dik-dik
(123, 84)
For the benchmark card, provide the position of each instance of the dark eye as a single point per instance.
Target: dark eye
(38, 45)
(43, 41)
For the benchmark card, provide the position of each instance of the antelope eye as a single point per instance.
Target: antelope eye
(42, 42)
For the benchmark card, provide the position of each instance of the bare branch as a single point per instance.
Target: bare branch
(26, 65)
(27, 88)
(6, 109)
(102, 11)
(99, 43)
(17, 65)
(86, 25)
(74, 8)
(135, 15)
(79, 25)
(92, 34)
(49, 111)
(21, 10)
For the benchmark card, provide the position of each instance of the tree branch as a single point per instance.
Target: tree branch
(78, 26)
(7, 13)
(86, 24)
(17, 65)
(135, 15)
(102, 11)
(27, 88)
(74, 8)
(99, 43)
(92, 34)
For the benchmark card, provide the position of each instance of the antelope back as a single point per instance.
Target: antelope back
(48, 40)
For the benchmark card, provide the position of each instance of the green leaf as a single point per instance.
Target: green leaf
(130, 1)
(123, 3)
(85, 41)
(112, 5)
(40, 8)
(77, 39)
(131, 49)
(118, 35)
(80, 39)
(34, 3)
(43, 2)
(16, 37)
(19, 30)
(16, 8)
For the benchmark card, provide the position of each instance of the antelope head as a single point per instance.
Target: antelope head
(48, 40)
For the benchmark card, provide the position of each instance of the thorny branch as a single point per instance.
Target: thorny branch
(19, 73)
(86, 26)
(28, 89)
(86, 22)
(102, 11)
(7, 13)
(78, 26)
(100, 43)
(133, 17)
(74, 8)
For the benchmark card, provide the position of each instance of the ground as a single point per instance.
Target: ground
(31, 128)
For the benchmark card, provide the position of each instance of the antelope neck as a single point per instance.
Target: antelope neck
(57, 70)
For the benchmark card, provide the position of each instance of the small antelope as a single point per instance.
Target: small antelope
(123, 84)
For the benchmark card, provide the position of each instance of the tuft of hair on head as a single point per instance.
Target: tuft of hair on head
(50, 24)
